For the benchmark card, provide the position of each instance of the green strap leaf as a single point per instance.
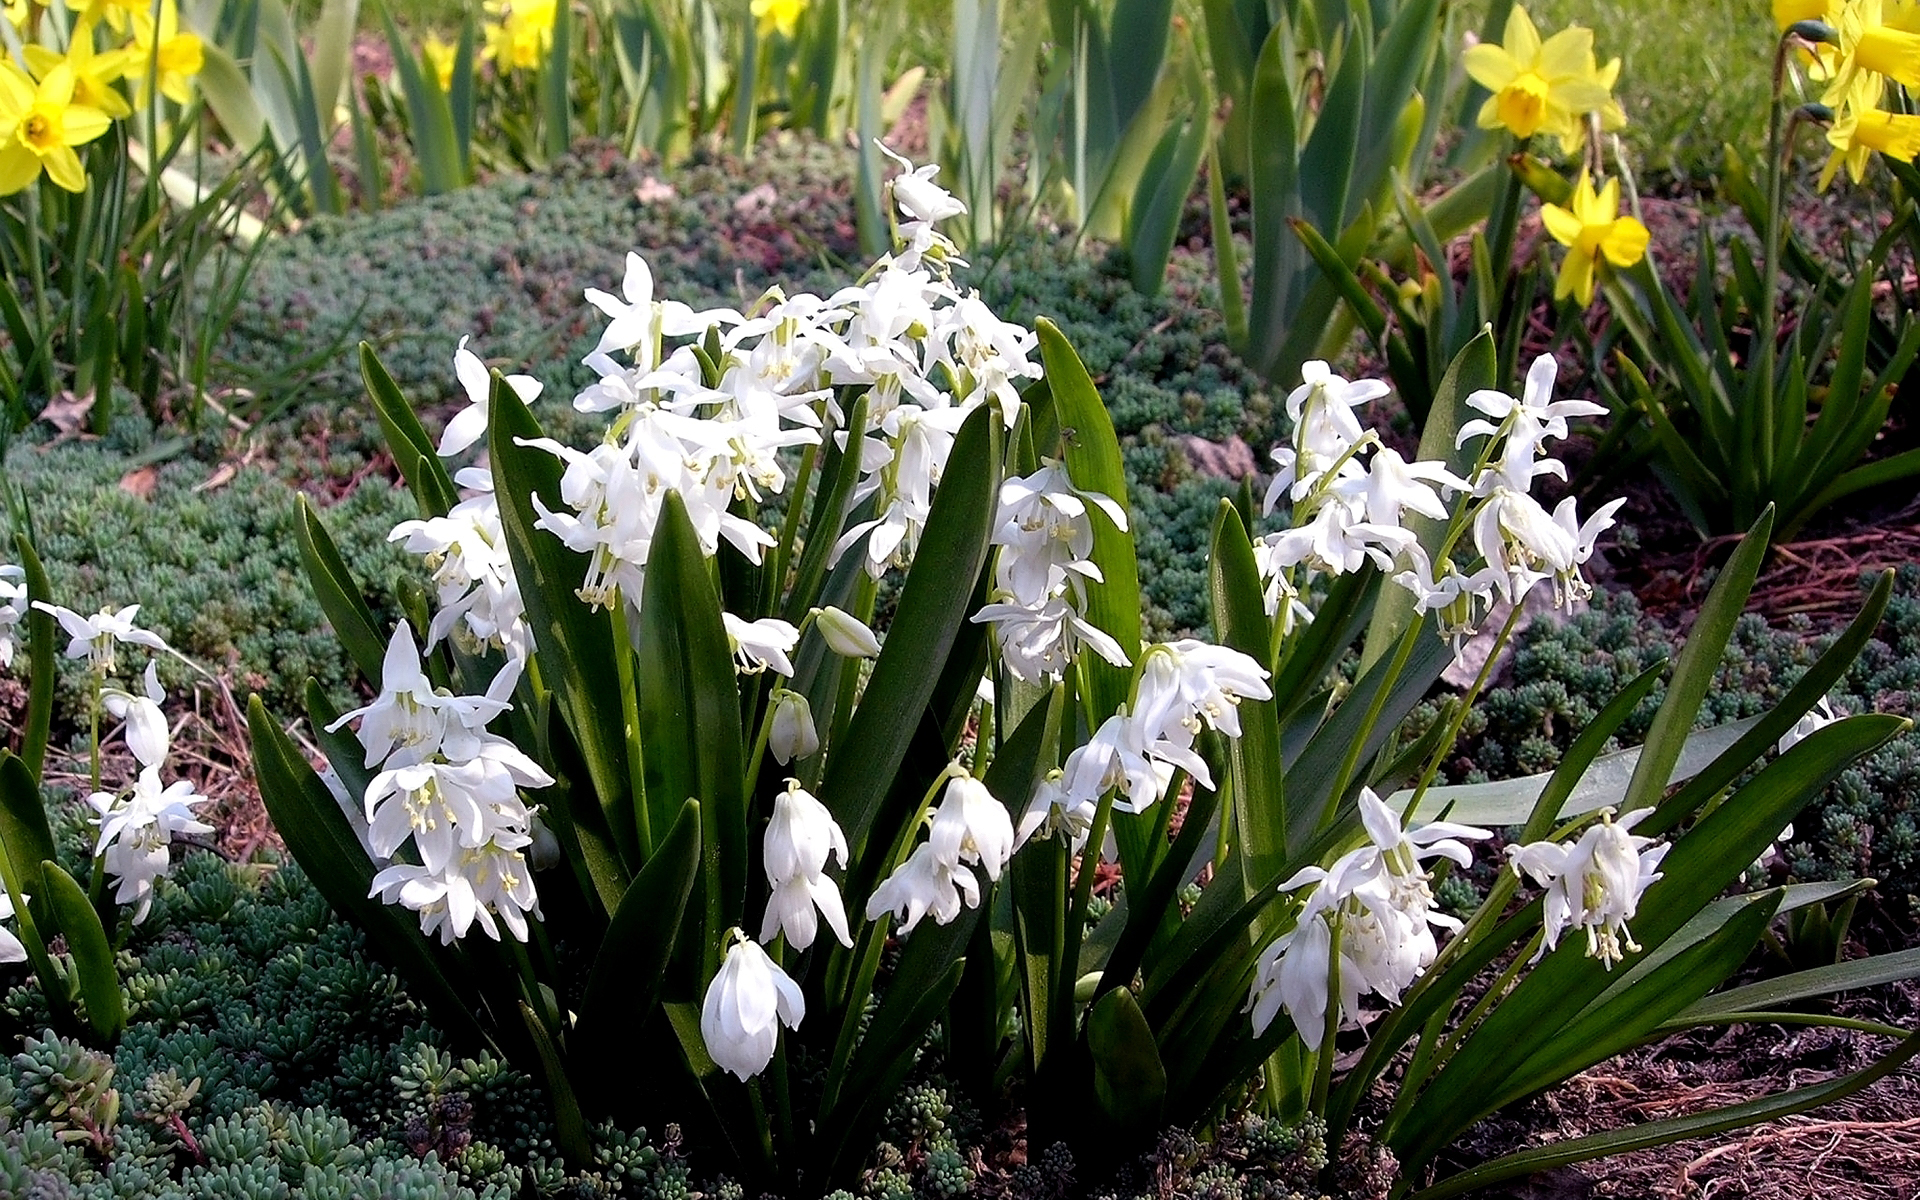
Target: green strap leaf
(416, 454)
(933, 606)
(41, 629)
(1129, 1081)
(690, 714)
(92, 954)
(631, 966)
(1693, 672)
(1804, 985)
(1254, 762)
(570, 1127)
(339, 593)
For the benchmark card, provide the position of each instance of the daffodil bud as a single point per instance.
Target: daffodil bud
(846, 634)
(793, 734)
(746, 1003)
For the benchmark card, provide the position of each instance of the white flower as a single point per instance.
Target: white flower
(11, 948)
(469, 425)
(1395, 485)
(745, 1004)
(136, 830)
(481, 883)
(1595, 884)
(147, 733)
(1816, 718)
(792, 734)
(1040, 640)
(639, 322)
(410, 721)
(1043, 527)
(1526, 423)
(1115, 757)
(919, 198)
(94, 638)
(924, 884)
(758, 645)
(846, 634)
(1186, 683)
(970, 826)
(1401, 852)
(1052, 809)
(479, 596)
(1324, 429)
(13, 606)
(1293, 972)
(800, 838)
(445, 806)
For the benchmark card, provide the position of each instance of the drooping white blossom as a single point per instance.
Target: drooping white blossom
(136, 830)
(760, 645)
(477, 592)
(12, 949)
(845, 634)
(148, 736)
(1595, 884)
(746, 1003)
(791, 734)
(800, 838)
(411, 721)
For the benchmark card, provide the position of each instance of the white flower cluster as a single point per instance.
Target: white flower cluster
(466, 550)
(451, 787)
(1373, 906)
(708, 418)
(1045, 535)
(968, 828)
(1349, 505)
(137, 826)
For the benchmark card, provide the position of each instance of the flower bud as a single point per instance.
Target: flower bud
(745, 1004)
(846, 634)
(793, 734)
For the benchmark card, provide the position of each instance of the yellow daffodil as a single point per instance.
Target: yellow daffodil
(19, 13)
(1861, 129)
(439, 55)
(1792, 12)
(1591, 230)
(1870, 46)
(93, 74)
(521, 35)
(1542, 86)
(42, 125)
(175, 56)
(778, 16)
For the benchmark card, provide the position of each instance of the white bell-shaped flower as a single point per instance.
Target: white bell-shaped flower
(760, 645)
(747, 1002)
(792, 734)
(146, 724)
(469, 425)
(1594, 884)
(800, 838)
(846, 635)
(13, 606)
(95, 638)
(970, 826)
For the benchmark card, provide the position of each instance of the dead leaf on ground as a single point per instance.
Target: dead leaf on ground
(221, 477)
(140, 482)
(68, 413)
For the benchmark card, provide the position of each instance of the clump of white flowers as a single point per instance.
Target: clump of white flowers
(138, 824)
(1594, 884)
(1375, 904)
(1350, 496)
(453, 789)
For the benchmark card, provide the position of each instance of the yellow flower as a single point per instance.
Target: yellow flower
(1792, 12)
(1542, 87)
(93, 73)
(42, 125)
(439, 55)
(1591, 230)
(175, 56)
(781, 16)
(522, 35)
(20, 12)
(1860, 130)
(1871, 46)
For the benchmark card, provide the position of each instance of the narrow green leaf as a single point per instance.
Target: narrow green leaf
(1694, 670)
(92, 954)
(690, 714)
(25, 835)
(1161, 198)
(339, 593)
(414, 452)
(933, 606)
(41, 629)
(575, 643)
(631, 966)
(555, 77)
(1673, 1129)
(570, 1128)
(1274, 182)
(1254, 761)
(1129, 1081)
(1804, 985)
